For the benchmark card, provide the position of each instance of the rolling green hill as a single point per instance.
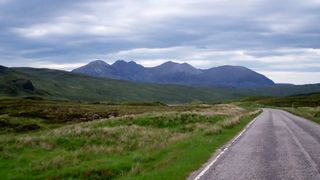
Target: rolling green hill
(55, 84)
(17, 82)
(310, 100)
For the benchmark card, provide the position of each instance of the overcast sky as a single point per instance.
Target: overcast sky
(279, 38)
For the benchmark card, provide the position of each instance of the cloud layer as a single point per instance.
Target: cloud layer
(278, 37)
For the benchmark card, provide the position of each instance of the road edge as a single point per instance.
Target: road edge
(196, 175)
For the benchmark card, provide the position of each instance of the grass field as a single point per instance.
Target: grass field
(20, 115)
(305, 105)
(303, 100)
(311, 113)
(119, 141)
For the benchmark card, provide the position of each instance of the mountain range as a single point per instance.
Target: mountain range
(176, 73)
(64, 85)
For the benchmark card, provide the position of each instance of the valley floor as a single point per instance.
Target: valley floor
(53, 140)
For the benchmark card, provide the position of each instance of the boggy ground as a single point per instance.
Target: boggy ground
(139, 141)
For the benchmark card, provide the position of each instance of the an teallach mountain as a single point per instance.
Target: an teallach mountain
(176, 73)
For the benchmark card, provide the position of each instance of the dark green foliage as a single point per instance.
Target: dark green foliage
(28, 127)
(8, 124)
(23, 84)
(178, 121)
(311, 100)
(101, 174)
(3, 69)
(32, 113)
(4, 125)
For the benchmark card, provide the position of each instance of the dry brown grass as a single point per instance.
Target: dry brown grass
(100, 149)
(120, 138)
(212, 130)
(56, 162)
(35, 141)
(222, 109)
(115, 139)
(230, 122)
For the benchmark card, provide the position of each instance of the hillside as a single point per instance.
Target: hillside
(311, 100)
(17, 82)
(175, 73)
(55, 84)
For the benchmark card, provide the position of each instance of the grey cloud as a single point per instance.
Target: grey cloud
(68, 31)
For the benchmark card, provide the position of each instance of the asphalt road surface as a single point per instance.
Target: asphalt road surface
(278, 145)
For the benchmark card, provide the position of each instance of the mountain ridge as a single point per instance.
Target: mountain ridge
(64, 85)
(177, 73)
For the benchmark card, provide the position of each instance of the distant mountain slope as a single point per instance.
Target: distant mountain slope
(48, 83)
(237, 76)
(19, 82)
(302, 100)
(3, 69)
(98, 69)
(175, 73)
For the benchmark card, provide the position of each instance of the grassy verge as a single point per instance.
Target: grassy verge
(178, 160)
(153, 145)
(305, 105)
(311, 113)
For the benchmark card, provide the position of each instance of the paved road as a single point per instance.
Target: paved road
(278, 145)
